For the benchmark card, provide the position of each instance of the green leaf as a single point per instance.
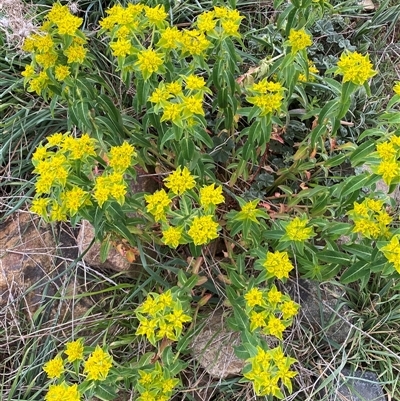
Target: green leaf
(105, 392)
(361, 251)
(360, 154)
(355, 272)
(353, 184)
(105, 249)
(335, 257)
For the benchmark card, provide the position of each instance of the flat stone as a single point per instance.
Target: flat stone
(358, 386)
(320, 308)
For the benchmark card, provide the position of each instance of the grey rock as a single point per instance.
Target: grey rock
(213, 348)
(321, 309)
(32, 270)
(358, 386)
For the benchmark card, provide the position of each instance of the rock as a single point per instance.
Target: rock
(26, 246)
(213, 348)
(91, 252)
(320, 308)
(31, 271)
(358, 386)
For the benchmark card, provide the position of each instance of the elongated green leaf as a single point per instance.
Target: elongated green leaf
(336, 257)
(359, 155)
(355, 272)
(353, 184)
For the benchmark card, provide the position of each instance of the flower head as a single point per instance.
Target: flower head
(180, 181)
(148, 62)
(74, 350)
(396, 88)
(254, 297)
(211, 196)
(157, 204)
(203, 229)
(172, 236)
(278, 264)
(54, 368)
(296, 230)
(299, 40)
(63, 392)
(98, 365)
(355, 68)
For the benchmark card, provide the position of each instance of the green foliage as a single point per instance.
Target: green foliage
(193, 101)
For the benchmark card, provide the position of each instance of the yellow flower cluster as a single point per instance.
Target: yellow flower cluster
(267, 368)
(96, 367)
(388, 153)
(199, 229)
(269, 310)
(59, 392)
(267, 96)
(392, 252)
(98, 364)
(126, 25)
(370, 218)
(297, 230)
(156, 384)
(355, 68)
(299, 40)
(180, 102)
(56, 50)
(57, 169)
(277, 264)
(162, 316)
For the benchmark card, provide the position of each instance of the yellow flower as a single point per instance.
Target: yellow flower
(386, 150)
(170, 38)
(296, 230)
(230, 28)
(29, 71)
(74, 199)
(274, 296)
(148, 62)
(299, 40)
(211, 196)
(268, 97)
(121, 157)
(203, 229)
(177, 318)
(75, 54)
(68, 24)
(98, 365)
(289, 309)
(61, 72)
(396, 88)
(278, 264)
(174, 88)
(74, 350)
(155, 14)
(39, 206)
(389, 170)
(254, 297)
(180, 181)
(367, 228)
(355, 68)
(257, 320)
(248, 211)
(146, 328)
(194, 42)
(392, 252)
(194, 82)
(172, 236)
(121, 48)
(275, 327)
(160, 95)
(54, 368)
(172, 112)
(360, 209)
(63, 392)
(157, 204)
(193, 104)
(205, 21)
